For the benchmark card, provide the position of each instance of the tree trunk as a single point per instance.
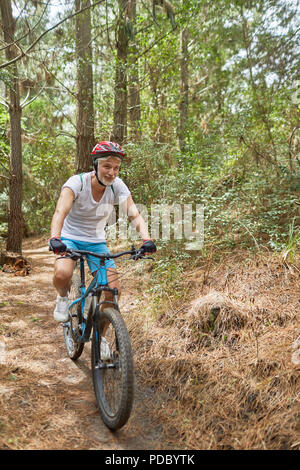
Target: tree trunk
(134, 84)
(184, 91)
(119, 132)
(85, 97)
(14, 238)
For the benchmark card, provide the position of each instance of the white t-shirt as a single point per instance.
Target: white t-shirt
(87, 218)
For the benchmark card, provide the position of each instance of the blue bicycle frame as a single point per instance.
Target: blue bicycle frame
(98, 284)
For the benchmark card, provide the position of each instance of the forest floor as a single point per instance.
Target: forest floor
(47, 400)
(217, 367)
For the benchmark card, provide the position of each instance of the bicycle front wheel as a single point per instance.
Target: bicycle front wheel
(112, 369)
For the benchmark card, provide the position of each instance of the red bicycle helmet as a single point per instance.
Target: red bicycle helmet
(106, 149)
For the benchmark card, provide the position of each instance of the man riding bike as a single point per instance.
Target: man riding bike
(84, 206)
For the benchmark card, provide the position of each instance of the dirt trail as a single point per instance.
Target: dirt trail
(47, 400)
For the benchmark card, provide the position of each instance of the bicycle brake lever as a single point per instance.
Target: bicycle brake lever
(135, 257)
(74, 255)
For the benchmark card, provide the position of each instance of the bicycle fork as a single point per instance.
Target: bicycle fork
(98, 361)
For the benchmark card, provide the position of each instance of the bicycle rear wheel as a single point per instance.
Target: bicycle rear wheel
(113, 373)
(72, 327)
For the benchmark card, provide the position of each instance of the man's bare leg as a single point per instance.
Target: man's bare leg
(63, 271)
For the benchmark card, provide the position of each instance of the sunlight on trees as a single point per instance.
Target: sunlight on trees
(204, 96)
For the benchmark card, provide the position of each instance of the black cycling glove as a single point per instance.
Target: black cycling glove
(57, 245)
(148, 246)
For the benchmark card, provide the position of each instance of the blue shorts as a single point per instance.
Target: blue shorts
(94, 263)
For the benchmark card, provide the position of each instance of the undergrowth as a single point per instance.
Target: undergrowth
(214, 339)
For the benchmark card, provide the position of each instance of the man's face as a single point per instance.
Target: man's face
(108, 170)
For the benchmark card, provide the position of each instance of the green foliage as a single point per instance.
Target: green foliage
(293, 242)
(245, 206)
(145, 164)
(48, 163)
(242, 132)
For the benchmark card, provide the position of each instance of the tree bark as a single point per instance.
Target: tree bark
(184, 90)
(134, 83)
(119, 132)
(14, 237)
(85, 139)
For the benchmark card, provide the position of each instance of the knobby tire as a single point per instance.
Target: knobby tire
(113, 386)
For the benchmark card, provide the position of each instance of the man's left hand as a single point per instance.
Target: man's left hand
(148, 246)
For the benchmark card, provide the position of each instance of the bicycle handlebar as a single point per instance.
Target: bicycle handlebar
(135, 254)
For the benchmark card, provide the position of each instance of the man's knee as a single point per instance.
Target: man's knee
(62, 274)
(61, 278)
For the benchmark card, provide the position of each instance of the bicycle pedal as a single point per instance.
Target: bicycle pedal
(102, 365)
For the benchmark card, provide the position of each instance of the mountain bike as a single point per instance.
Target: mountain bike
(111, 354)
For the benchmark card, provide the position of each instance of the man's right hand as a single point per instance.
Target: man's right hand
(57, 245)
